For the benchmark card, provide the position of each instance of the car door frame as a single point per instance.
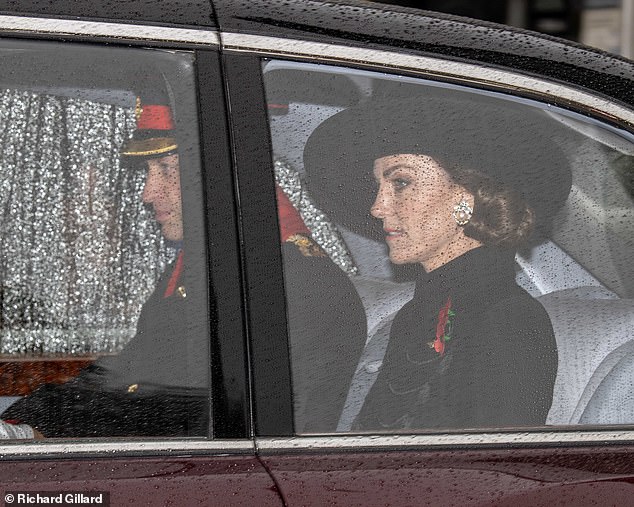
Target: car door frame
(300, 459)
(243, 54)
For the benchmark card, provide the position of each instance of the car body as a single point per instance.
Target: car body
(224, 62)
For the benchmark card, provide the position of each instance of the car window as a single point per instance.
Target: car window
(103, 303)
(454, 258)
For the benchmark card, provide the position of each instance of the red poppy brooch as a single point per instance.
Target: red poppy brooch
(443, 328)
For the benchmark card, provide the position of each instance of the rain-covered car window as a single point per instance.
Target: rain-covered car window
(454, 258)
(103, 302)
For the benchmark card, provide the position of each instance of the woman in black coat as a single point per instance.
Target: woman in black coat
(458, 190)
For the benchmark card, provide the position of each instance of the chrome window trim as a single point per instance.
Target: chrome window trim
(104, 29)
(112, 448)
(388, 60)
(402, 442)
(51, 448)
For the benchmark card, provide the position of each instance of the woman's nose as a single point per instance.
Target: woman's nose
(375, 211)
(379, 207)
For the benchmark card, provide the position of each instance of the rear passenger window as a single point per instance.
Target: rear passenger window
(454, 258)
(103, 304)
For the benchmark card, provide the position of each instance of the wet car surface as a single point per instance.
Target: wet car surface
(250, 391)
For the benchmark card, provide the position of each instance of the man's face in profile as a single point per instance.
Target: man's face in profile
(163, 191)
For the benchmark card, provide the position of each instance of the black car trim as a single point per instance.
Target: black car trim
(440, 440)
(106, 29)
(265, 301)
(465, 72)
(230, 407)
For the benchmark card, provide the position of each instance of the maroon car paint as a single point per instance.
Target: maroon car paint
(503, 477)
(186, 480)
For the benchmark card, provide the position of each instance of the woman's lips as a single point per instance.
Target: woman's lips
(392, 234)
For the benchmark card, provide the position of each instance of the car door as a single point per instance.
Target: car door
(308, 68)
(86, 237)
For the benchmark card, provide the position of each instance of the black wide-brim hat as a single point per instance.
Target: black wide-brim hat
(510, 143)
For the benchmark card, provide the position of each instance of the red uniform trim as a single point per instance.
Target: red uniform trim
(291, 222)
(176, 274)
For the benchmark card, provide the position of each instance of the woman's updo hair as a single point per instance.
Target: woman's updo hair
(501, 217)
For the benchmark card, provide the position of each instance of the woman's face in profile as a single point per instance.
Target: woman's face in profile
(415, 200)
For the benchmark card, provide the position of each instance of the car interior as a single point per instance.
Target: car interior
(581, 273)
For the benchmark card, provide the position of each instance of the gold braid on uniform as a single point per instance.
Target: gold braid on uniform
(306, 245)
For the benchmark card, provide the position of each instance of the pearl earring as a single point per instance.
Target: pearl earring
(462, 212)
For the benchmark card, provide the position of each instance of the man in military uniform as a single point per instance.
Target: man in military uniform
(159, 382)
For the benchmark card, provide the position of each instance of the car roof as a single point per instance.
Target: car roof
(195, 13)
(428, 33)
(368, 25)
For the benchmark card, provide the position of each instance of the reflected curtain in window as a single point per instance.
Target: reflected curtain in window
(79, 251)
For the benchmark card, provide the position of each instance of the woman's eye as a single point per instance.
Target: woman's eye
(400, 183)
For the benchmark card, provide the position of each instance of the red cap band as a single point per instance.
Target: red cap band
(155, 117)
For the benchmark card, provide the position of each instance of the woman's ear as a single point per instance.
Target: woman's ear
(462, 194)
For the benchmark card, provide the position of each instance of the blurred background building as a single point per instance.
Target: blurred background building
(604, 24)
